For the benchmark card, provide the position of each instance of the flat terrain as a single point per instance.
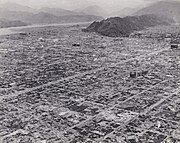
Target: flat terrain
(60, 85)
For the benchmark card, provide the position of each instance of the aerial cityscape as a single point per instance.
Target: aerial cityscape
(91, 80)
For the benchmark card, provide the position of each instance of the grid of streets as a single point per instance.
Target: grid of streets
(54, 92)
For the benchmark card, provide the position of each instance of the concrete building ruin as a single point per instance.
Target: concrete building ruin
(175, 44)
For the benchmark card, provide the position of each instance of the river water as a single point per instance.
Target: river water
(13, 30)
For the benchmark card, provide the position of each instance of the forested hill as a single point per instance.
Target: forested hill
(116, 26)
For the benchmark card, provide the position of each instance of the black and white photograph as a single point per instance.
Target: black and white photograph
(89, 71)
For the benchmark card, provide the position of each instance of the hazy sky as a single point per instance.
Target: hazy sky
(111, 5)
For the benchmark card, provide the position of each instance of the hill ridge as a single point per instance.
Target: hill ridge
(116, 26)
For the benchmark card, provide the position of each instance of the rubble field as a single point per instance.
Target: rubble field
(61, 85)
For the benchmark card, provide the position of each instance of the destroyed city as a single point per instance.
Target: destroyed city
(89, 71)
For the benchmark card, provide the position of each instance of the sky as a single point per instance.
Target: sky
(111, 5)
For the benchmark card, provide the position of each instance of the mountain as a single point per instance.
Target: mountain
(79, 18)
(125, 12)
(42, 16)
(46, 18)
(15, 15)
(17, 7)
(170, 9)
(93, 10)
(6, 23)
(117, 26)
(59, 11)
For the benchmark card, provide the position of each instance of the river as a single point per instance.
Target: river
(13, 30)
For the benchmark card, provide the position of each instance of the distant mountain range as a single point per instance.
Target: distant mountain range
(6, 23)
(117, 26)
(46, 18)
(169, 9)
(93, 10)
(125, 12)
(16, 12)
(158, 13)
(17, 7)
(59, 11)
(46, 15)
